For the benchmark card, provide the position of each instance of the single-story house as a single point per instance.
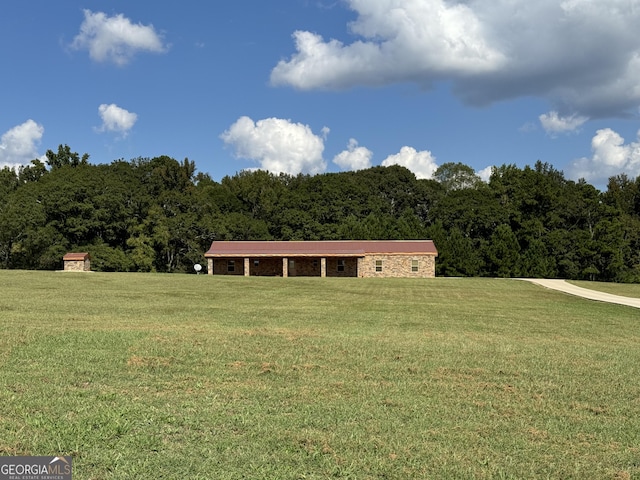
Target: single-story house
(331, 258)
(77, 262)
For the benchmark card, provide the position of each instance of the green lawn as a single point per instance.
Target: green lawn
(198, 377)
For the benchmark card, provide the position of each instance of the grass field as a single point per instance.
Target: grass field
(198, 377)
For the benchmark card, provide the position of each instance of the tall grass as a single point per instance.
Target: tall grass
(185, 376)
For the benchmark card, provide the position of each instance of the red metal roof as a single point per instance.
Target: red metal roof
(327, 248)
(75, 256)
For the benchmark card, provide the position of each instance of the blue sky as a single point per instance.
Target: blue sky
(318, 86)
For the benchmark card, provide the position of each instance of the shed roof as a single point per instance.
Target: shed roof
(71, 257)
(326, 248)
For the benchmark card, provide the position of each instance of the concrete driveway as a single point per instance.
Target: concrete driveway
(566, 287)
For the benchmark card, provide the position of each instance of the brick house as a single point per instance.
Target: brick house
(331, 258)
(77, 262)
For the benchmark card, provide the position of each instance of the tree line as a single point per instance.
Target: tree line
(160, 215)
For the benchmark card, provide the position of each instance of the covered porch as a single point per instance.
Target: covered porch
(286, 266)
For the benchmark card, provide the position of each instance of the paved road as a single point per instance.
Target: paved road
(566, 287)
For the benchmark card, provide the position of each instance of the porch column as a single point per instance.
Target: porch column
(285, 267)
(323, 267)
(359, 270)
(246, 266)
(209, 266)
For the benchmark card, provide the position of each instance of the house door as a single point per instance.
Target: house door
(292, 267)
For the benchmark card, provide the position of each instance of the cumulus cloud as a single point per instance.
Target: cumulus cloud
(354, 157)
(422, 163)
(426, 40)
(485, 173)
(553, 123)
(581, 55)
(115, 39)
(116, 119)
(610, 156)
(278, 145)
(19, 145)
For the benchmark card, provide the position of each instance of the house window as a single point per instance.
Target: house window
(414, 265)
(231, 266)
(292, 264)
(378, 265)
(315, 263)
(341, 265)
(256, 263)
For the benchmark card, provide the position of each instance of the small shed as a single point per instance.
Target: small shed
(77, 262)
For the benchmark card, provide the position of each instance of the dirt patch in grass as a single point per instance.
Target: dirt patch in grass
(138, 361)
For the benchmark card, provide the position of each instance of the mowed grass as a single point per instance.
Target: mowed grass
(184, 376)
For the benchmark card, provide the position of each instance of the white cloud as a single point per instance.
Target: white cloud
(407, 40)
(422, 163)
(279, 146)
(115, 39)
(553, 123)
(116, 119)
(354, 158)
(19, 145)
(485, 173)
(581, 55)
(611, 156)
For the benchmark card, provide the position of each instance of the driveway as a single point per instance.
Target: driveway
(566, 287)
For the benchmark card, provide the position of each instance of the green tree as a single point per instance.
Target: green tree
(536, 260)
(32, 172)
(458, 255)
(503, 252)
(65, 158)
(8, 183)
(456, 176)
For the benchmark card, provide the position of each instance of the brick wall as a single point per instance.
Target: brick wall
(221, 266)
(399, 266)
(297, 266)
(266, 267)
(304, 267)
(76, 266)
(349, 268)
